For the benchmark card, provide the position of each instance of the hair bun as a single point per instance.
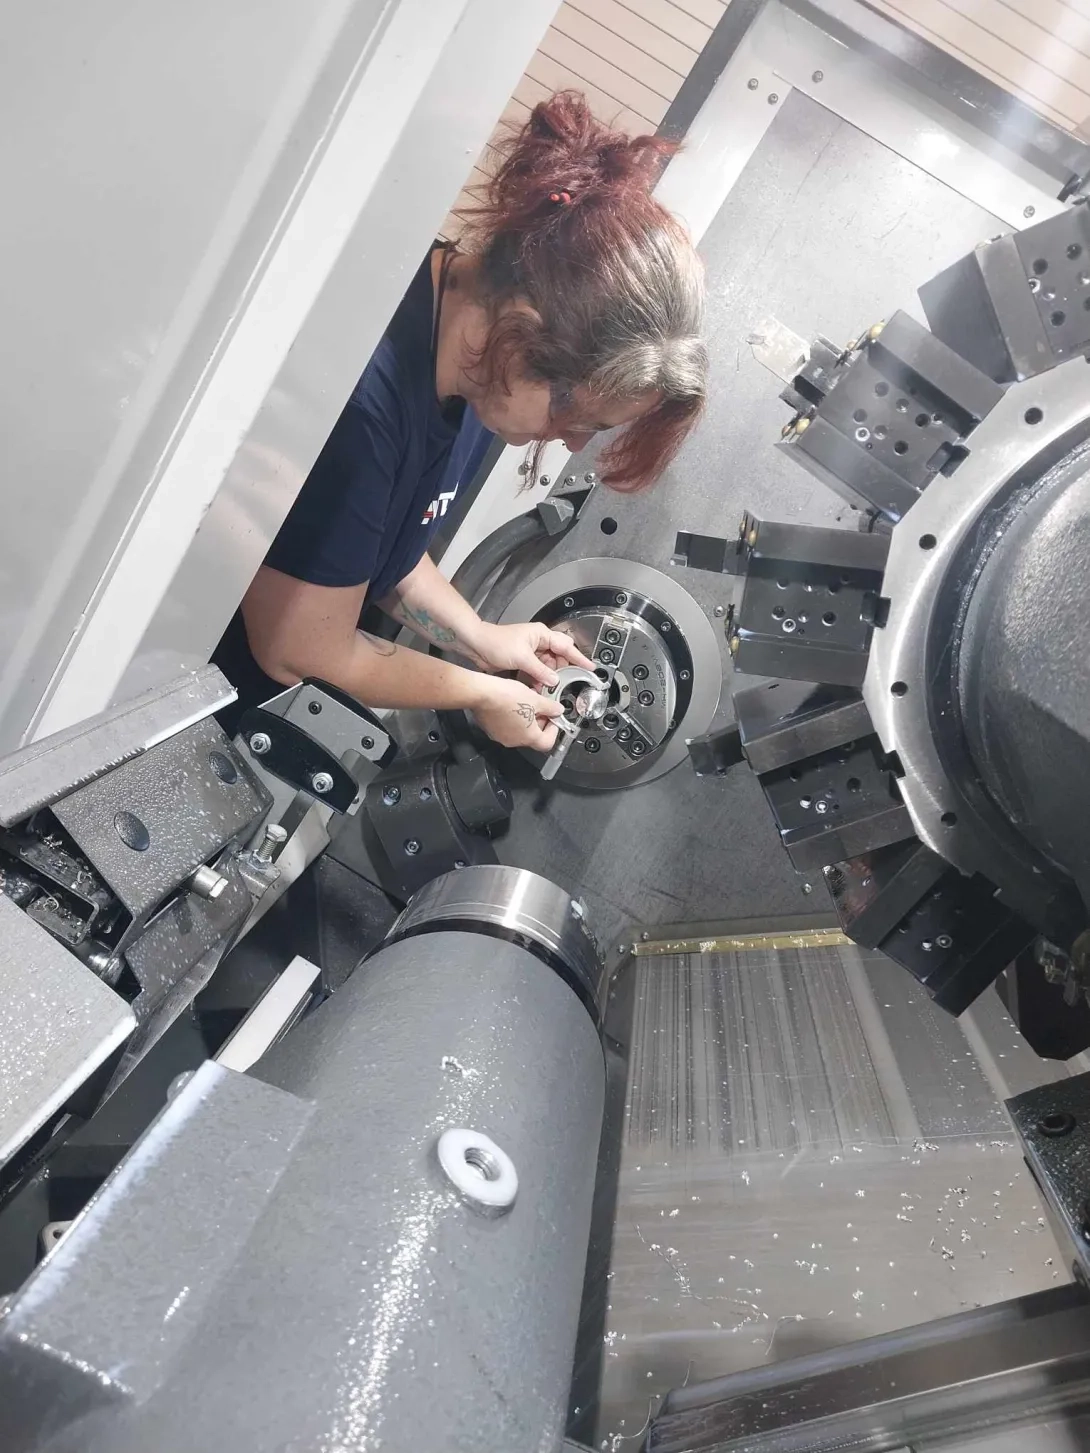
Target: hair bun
(564, 151)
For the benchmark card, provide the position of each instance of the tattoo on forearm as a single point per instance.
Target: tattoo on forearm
(427, 624)
(526, 711)
(377, 644)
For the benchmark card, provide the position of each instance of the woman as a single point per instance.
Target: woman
(575, 309)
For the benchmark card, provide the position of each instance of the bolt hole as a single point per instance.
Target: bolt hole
(781, 584)
(778, 612)
(1074, 249)
(608, 526)
(881, 389)
(1058, 318)
(854, 784)
(900, 447)
(1033, 416)
(899, 688)
(949, 819)
(794, 774)
(834, 587)
(1040, 266)
(315, 708)
(860, 416)
(1056, 1123)
(902, 406)
(829, 618)
(927, 542)
(601, 673)
(482, 1162)
(922, 420)
(1086, 304)
(880, 431)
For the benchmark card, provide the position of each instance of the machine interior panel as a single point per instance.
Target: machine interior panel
(617, 977)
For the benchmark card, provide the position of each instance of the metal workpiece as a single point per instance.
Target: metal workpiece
(58, 1025)
(585, 696)
(656, 658)
(43, 771)
(325, 1166)
(911, 678)
(516, 905)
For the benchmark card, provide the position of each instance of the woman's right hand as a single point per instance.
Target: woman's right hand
(515, 715)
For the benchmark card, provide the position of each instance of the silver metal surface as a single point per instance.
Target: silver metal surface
(636, 713)
(42, 771)
(812, 1154)
(585, 701)
(512, 900)
(271, 843)
(58, 1024)
(638, 645)
(1018, 1363)
(482, 1174)
(334, 725)
(860, 88)
(273, 1014)
(207, 882)
(567, 734)
(1033, 417)
(781, 350)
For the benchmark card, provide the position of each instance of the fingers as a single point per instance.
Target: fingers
(564, 648)
(547, 708)
(542, 735)
(536, 669)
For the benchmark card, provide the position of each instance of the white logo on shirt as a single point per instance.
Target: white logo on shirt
(438, 507)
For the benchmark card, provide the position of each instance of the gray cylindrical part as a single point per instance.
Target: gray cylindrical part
(454, 1030)
(373, 1305)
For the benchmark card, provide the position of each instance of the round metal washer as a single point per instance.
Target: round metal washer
(675, 600)
(1031, 426)
(482, 1173)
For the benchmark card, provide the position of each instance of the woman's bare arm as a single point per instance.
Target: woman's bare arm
(296, 629)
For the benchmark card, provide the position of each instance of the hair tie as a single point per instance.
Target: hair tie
(561, 198)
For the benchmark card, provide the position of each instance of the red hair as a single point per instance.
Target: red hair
(568, 225)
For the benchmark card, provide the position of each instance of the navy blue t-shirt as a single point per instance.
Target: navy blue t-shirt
(384, 480)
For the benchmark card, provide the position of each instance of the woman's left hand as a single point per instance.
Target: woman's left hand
(529, 647)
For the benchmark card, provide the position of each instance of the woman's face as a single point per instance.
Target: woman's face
(523, 416)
